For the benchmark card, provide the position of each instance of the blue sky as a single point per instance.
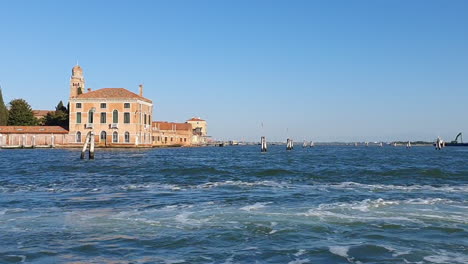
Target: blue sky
(314, 70)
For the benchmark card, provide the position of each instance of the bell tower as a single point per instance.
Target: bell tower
(77, 82)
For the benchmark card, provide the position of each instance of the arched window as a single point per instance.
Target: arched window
(115, 117)
(115, 137)
(90, 116)
(127, 137)
(78, 137)
(103, 136)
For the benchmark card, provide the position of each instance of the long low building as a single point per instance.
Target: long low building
(171, 134)
(33, 136)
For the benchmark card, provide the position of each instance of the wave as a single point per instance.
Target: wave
(407, 188)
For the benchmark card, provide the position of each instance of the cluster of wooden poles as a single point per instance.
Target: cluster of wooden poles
(289, 144)
(88, 141)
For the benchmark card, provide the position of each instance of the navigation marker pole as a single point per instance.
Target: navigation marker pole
(264, 144)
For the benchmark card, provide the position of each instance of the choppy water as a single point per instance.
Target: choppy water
(235, 205)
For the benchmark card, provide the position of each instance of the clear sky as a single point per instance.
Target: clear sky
(316, 70)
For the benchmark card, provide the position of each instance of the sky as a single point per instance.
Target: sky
(332, 70)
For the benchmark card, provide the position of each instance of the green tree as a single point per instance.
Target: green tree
(60, 107)
(3, 111)
(58, 118)
(21, 114)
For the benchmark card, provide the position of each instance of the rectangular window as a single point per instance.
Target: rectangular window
(103, 105)
(78, 105)
(103, 118)
(127, 118)
(127, 105)
(78, 118)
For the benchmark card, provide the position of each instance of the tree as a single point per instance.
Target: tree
(58, 118)
(60, 107)
(3, 111)
(21, 114)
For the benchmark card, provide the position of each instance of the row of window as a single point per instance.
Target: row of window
(104, 105)
(103, 137)
(115, 117)
(164, 139)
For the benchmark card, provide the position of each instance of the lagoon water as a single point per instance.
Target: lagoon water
(235, 205)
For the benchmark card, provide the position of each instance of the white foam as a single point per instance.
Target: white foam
(447, 257)
(300, 253)
(408, 188)
(241, 183)
(254, 207)
(341, 251)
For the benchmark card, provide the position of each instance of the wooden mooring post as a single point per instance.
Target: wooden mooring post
(289, 144)
(264, 144)
(88, 141)
(91, 147)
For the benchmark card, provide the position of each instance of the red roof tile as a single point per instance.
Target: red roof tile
(112, 93)
(41, 113)
(32, 130)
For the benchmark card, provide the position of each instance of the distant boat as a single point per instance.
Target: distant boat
(380, 145)
(394, 144)
(408, 145)
(367, 144)
(312, 144)
(305, 144)
(355, 144)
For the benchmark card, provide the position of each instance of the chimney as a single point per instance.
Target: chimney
(89, 89)
(141, 90)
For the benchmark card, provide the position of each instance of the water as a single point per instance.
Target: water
(235, 205)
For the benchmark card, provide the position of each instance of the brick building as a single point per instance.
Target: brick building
(117, 116)
(171, 134)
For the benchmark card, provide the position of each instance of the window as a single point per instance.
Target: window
(78, 137)
(127, 137)
(185, 139)
(115, 117)
(127, 105)
(103, 118)
(103, 136)
(127, 118)
(115, 137)
(103, 105)
(78, 105)
(145, 119)
(149, 119)
(90, 117)
(78, 118)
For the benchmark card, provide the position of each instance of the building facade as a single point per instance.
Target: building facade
(116, 116)
(199, 129)
(171, 134)
(32, 136)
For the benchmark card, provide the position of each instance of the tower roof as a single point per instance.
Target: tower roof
(77, 68)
